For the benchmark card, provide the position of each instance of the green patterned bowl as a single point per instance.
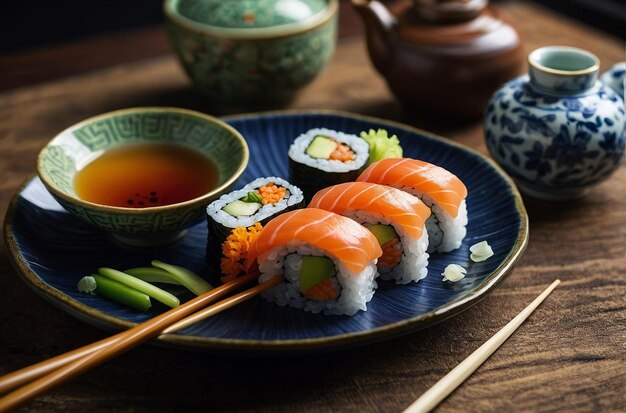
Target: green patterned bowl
(252, 54)
(73, 148)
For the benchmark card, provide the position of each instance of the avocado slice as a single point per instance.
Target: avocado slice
(314, 271)
(321, 147)
(239, 208)
(383, 233)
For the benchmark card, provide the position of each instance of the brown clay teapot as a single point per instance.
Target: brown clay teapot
(445, 57)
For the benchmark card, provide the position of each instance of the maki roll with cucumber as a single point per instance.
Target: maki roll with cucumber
(396, 218)
(438, 188)
(322, 157)
(328, 261)
(257, 202)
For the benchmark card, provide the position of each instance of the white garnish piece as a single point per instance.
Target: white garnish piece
(87, 285)
(480, 251)
(453, 273)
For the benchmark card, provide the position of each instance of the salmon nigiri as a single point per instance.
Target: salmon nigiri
(396, 218)
(328, 261)
(441, 190)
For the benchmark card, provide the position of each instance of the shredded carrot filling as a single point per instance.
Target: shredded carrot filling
(322, 291)
(235, 251)
(342, 153)
(270, 193)
(391, 254)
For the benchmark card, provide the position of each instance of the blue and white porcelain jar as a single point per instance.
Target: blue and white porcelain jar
(558, 130)
(615, 78)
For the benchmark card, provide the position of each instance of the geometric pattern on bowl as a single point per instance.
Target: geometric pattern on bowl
(81, 143)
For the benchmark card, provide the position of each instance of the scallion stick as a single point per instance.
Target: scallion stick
(121, 293)
(153, 275)
(139, 285)
(189, 279)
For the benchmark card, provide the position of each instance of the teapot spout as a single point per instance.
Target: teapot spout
(379, 24)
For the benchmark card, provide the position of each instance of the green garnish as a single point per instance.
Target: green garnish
(252, 197)
(87, 285)
(115, 291)
(152, 275)
(142, 286)
(185, 277)
(381, 145)
(132, 287)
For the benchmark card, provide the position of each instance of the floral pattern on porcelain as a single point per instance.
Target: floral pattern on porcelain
(615, 78)
(555, 146)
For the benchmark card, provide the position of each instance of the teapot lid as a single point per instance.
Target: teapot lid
(442, 11)
(247, 14)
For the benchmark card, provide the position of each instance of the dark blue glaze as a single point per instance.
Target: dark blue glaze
(60, 249)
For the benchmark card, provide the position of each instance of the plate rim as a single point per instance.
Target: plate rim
(388, 331)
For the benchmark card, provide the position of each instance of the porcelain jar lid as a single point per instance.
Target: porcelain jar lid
(562, 70)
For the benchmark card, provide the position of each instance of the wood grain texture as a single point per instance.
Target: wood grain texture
(568, 356)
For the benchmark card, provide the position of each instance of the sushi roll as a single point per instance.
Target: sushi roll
(328, 261)
(438, 188)
(256, 202)
(396, 218)
(322, 157)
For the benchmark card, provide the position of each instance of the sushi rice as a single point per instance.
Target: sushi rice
(356, 290)
(297, 151)
(414, 262)
(313, 174)
(445, 233)
(437, 187)
(292, 197)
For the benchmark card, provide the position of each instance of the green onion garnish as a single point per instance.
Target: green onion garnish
(142, 286)
(189, 279)
(115, 291)
(153, 275)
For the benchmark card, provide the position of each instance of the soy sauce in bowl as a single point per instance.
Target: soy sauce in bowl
(146, 175)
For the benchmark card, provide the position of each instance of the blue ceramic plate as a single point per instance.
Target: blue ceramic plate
(52, 250)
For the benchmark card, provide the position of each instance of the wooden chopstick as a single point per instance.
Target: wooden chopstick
(446, 385)
(27, 374)
(57, 370)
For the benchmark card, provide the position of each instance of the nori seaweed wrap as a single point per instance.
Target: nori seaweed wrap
(258, 201)
(322, 157)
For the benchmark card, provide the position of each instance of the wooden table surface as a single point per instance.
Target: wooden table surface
(569, 356)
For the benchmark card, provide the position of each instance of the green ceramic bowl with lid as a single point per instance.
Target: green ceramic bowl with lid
(252, 54)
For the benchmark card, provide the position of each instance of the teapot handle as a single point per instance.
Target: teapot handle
(379, 25)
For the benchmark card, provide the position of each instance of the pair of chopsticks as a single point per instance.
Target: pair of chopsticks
(52, 372)
(47, 374)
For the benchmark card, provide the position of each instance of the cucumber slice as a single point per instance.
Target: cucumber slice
(239, 208)
(383, 233)
(321, 147)
(314, 271)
